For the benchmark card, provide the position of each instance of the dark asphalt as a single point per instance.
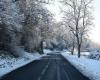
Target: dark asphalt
(52, 67)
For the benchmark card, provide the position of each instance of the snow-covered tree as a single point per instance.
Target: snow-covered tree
(10, 22)
(24, 24)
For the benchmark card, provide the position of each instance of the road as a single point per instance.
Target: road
(51, 67)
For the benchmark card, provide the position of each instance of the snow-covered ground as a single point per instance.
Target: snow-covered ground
(47, 51)
(89, 67)
(8, 63)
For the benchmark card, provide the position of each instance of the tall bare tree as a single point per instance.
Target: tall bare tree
(78, 19)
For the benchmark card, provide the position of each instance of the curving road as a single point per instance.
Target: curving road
(51, 67)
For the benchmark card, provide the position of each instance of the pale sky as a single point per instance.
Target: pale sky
(55, 9)
(95, 32)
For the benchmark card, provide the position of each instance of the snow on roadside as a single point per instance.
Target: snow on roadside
(47, 51)
(8, 64)
(89, 67)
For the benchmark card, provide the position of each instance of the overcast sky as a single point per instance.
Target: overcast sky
(95, 32)
(95, 35)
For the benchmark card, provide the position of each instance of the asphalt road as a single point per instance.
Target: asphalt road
(52, 67)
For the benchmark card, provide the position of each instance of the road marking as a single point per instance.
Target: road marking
(43, 71)
(66, 73)
(58, 71)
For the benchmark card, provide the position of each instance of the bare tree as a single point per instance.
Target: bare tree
(72, 42)
(78, 18)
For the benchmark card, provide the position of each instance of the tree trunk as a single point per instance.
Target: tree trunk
(41, 48)
(79, 51)
(78, 47)
(72, 52)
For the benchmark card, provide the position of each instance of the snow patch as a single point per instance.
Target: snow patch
(8, 63)
(89, 67)
(47, 51)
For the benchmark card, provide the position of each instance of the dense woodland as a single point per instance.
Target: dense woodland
(27, 25)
